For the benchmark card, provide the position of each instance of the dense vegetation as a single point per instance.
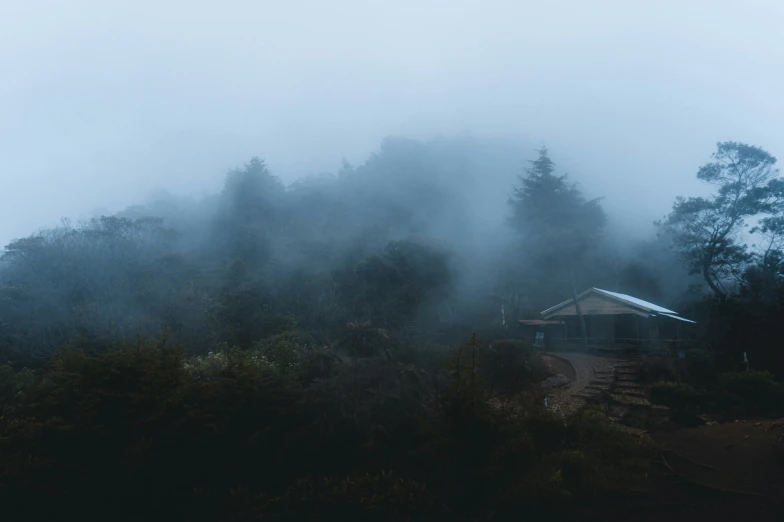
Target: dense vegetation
(338, 347)
(290, 433)
(395, 241)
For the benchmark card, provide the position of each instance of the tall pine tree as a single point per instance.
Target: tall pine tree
(557, 227)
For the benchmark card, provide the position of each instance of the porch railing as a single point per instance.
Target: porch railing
(621, 344)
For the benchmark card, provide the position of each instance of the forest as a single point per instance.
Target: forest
(347, 348)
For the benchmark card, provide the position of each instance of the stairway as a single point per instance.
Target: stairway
(628, 400)
(412, 329)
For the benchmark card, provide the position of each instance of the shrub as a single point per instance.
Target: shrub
(135, 429)
(281, 351)
(675, 395)
(379, 497)
(506, 366)
(428, 356)
(318, 363)
(146, 432)
(569, 461)
(210, 365)
(655, 369)
(701, 367)
(760, 393)
(13, 384)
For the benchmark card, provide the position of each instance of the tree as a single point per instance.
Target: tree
(556, 224)
(707, 232)
(107, 278)
(395, 285)
(249, 212)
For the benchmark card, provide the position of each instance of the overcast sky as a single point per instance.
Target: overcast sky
(102, 102)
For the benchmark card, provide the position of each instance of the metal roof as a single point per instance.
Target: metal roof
(679, 318)
(645, 306)
(636, 302)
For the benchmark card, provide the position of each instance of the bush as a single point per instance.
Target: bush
(282, 351)
(210, 365)
(734, 394)
(701, 366)
(675, 395)
(506, 366)
(428, 356)
(13, 384)
(138, 430)
(318, 363)
(144, 431)
(655, 369)
(760, 393)
(577, 460)
(379, 497)
(682, 399)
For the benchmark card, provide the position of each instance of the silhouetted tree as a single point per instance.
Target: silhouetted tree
(556, 225)
(249, 213)
(707, 232)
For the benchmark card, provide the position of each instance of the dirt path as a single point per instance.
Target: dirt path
(611, 382)
(592, 375)
(741, 456)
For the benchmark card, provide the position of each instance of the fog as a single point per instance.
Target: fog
(102, 103)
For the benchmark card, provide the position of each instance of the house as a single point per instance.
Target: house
(618, 321)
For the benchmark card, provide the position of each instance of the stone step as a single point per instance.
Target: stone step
(585, 395)
(601, 382)
(627, 389)
(628, 384)
(638, 395)
(626, 399)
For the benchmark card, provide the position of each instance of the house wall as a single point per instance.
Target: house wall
(601, 327)
(628, 326)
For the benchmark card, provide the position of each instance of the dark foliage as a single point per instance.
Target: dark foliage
(761, 395)
(731, 396)
(662, 368)
(509, 367)
(144, 433)
(306, 368)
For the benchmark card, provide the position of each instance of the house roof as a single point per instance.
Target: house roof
(637, 302)
(632, 304)
(537, 322)
(679, 318)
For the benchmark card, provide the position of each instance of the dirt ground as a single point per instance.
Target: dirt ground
(718, 472)
(742, 455)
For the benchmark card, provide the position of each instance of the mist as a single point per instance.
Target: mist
(104, 103)
(255, 256)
